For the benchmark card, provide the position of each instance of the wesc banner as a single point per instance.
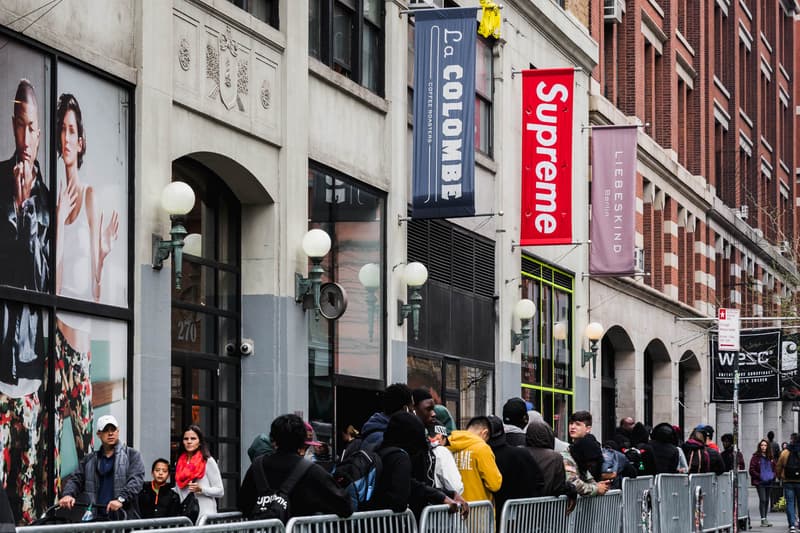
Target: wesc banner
(613, 227)
(759, 363)
(546, 209)
(444, 113)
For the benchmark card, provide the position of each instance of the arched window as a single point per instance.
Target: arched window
(206, 324)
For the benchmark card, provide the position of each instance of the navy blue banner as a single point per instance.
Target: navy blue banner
(444, 113)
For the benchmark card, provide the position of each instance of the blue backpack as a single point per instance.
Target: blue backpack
(358, 472)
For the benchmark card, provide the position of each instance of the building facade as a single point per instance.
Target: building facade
(289, 115)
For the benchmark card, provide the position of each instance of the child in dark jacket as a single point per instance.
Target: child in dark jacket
(157, 499)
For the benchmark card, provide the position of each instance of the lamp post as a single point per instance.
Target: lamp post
(594, 332)
(316, 245)
(370, 277)
(524, 310)
(415, 275)
(177, 199)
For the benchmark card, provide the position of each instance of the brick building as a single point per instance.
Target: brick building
(714, 83)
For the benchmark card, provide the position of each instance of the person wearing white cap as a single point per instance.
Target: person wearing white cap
(110, 478)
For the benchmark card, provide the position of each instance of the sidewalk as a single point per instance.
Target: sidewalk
(778, 520)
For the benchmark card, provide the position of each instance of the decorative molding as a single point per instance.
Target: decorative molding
(228, 71)
(184, 54)
(265, 95)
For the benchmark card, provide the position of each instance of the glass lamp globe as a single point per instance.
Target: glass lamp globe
(370, 276)
(594, 331)
(316, 243)
(560, 331)
(177, 198)
(193, 244)
(415, 274)
(524, 309)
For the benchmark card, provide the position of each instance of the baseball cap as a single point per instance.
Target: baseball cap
(106, 420)
(310, 429)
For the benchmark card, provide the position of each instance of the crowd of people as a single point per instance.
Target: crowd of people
(410, 454)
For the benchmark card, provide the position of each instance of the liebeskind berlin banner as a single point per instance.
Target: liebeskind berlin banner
(546, 209)
(444, 113)
(759, 364)
(613, 228)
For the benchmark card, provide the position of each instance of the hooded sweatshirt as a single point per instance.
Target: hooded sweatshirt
(696, 456)
(373, 429)
(521, 475)
(540, 440)
(784, 457)
(514, 435)
(475, 461)
(664, 451)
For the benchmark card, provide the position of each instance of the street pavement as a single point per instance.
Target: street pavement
(778, 520)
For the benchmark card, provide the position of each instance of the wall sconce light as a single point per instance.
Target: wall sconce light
(370, 278)
(415, 275)
(316, 245)
(524, 310)
(177, 199)
(594, 332)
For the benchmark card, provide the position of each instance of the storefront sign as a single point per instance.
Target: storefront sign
(613, 226)
(444, 113)
(547, 130)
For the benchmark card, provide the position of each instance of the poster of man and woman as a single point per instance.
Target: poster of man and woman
(64, 175)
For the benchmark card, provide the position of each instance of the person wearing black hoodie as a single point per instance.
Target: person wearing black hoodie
(540, 440)
(515, 419)
(640, 453)
(522, 477)
(404, 479)
(396, 398)
(665, 452)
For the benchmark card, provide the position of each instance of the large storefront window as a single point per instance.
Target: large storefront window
(206, 325)
(546, 361)
(346, 356)
(65, 308)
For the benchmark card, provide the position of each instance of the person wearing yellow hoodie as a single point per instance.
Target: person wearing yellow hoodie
(475, 460)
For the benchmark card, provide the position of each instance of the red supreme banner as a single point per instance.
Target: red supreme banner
(546, 157)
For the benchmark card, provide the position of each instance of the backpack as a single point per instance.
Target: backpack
(791, 472)
(272, 503)
(635, 457)
(358, 473)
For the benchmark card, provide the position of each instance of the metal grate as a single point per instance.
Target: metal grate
(454, 256)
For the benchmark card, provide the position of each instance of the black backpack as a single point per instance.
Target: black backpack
(272, 503)
(791, 472)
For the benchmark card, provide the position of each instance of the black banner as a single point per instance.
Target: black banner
(759, 363)
(790, 384)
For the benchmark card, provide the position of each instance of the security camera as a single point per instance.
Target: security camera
(230, 348)
(247, 347)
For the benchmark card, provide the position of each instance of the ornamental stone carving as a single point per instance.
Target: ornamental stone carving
(228, 71)
(184, 54)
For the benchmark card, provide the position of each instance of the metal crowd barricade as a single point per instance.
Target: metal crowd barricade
(254, 526)
(744, 501)
(707, 483)
(439, 519)
(598, 513)
(535, 515)
(635, 516)
(221, 518)
(116, 526)
(725, 500)
(363, 522)
(673, 503)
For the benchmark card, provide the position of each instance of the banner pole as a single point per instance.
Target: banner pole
(736, 444)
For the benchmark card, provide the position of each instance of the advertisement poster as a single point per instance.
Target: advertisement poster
(91, 121)
(759, 364)
(63, 231)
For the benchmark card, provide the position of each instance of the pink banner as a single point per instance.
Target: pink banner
(613, 227)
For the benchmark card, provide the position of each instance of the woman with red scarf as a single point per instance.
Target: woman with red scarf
(197, 472)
